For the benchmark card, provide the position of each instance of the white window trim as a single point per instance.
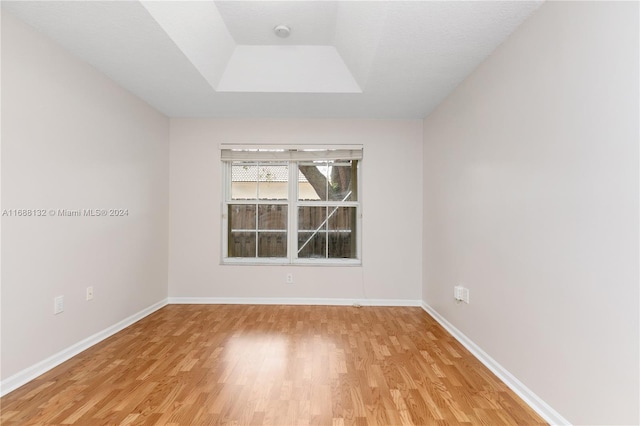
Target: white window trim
(293, 203)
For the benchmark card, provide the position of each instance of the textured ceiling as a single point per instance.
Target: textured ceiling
(405, 57)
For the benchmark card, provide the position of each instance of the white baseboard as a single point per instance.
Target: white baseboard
(533, 400)
(30, 373)
(290, 301)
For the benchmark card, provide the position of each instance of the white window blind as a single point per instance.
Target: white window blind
(289, 153)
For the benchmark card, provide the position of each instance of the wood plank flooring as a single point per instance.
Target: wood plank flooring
(272, 365)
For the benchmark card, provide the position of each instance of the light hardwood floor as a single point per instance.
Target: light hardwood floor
(272, 365)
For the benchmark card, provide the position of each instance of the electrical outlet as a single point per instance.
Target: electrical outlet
(461, 294)
(458, 293)
(58, 305)
(289, 279)
(89, 293)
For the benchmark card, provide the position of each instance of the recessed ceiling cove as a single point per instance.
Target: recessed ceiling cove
(369, 59)
(287, 69)
(307, 60)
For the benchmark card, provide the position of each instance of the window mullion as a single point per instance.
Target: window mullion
(326, 227)
(292, 246)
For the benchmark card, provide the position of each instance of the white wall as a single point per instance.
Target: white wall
(392, 210)
(73, 139)
(531, 201)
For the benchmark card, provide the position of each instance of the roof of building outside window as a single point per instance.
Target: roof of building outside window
(266, 173)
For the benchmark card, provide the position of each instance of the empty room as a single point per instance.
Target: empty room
(320, 213)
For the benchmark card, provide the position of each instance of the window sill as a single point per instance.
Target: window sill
(287, 262)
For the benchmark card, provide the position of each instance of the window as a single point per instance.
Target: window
(285, 205)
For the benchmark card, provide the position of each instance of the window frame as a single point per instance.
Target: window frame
(292, 203)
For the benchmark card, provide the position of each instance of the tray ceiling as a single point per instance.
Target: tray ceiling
(391, 59)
